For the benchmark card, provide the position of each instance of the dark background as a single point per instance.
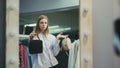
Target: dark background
(2, 32)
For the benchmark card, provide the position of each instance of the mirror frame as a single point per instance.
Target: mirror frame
(86, 34)
(12, 33)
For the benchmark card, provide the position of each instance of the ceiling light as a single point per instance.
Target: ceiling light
(31, 25)
(53, 27)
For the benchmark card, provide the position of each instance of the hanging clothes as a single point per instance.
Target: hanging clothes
(74, 55)
(24, 56)
(21, 62)
(28, 58)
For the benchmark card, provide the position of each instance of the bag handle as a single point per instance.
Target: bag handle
(38, 36)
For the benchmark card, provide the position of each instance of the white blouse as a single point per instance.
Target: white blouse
(50, 50)
(74, 55)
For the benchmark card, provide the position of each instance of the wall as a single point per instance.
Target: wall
(116, 15)
(116, 9)
(40, 5)
(63, 18)
(103, 56)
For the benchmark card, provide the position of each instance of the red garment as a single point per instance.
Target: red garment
(24, 56)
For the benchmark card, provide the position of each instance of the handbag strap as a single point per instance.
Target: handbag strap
(38, 37)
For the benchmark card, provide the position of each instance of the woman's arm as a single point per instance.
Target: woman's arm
(56, 41)
(61, 36)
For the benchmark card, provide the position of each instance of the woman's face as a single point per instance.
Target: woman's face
(43, 24)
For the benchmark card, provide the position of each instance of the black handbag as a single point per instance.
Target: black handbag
(35, 46)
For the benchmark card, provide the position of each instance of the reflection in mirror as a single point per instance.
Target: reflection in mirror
(60, 47)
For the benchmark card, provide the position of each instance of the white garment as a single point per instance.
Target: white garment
(50, 50)
(74, 55)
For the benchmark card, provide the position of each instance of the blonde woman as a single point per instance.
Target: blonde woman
(51, 48)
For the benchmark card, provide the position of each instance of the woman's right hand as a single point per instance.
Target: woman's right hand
(32, 34)
(61, 36)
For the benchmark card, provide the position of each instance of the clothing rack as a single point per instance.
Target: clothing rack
(24, 39)
(21, 36)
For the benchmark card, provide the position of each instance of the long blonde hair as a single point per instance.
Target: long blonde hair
(38, 30)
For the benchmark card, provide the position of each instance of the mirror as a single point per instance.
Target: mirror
(63, 16)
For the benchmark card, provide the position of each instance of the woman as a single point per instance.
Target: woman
(50, 45)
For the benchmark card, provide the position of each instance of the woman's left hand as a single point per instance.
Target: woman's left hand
(61, 36)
